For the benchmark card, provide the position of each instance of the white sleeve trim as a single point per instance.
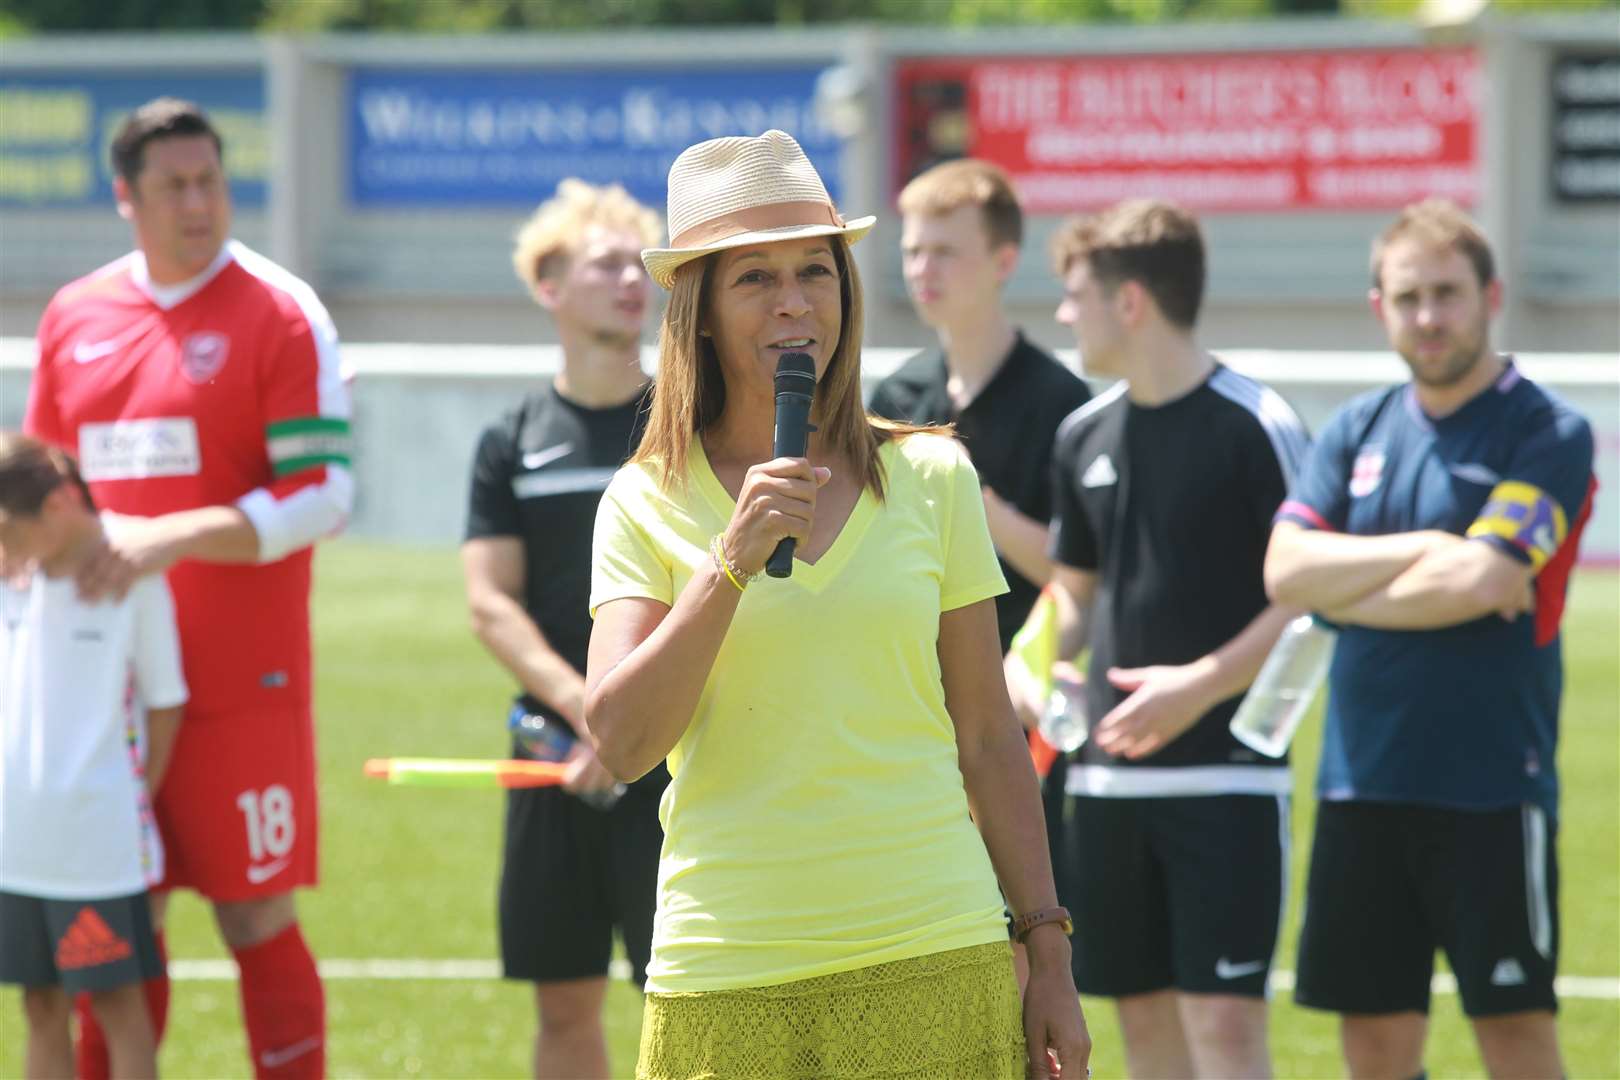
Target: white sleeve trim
(297, 521)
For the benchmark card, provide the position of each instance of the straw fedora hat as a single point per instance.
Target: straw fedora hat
(741, 190)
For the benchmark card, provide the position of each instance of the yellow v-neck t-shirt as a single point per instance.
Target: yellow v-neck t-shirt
(816, 821)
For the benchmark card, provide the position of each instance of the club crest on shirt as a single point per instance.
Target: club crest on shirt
(1367, 473)
(203, 354)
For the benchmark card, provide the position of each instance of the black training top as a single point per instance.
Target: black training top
(1007, 430)
(1172, 507)
(538, 474)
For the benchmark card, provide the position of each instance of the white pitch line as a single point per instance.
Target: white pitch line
(1596, 987)
(430, 970)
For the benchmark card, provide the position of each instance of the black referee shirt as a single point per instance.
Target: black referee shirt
(1171, 507)
(538, 475)
(1007, 430)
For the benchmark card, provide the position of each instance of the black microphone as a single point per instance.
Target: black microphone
(795, 387)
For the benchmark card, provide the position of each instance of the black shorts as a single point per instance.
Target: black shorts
(1182, 892)
(571, 874)
(79, 945)
(1390, 883)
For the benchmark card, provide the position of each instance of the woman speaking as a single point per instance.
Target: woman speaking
(826, 906)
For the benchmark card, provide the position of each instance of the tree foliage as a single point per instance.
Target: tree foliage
(495, 16)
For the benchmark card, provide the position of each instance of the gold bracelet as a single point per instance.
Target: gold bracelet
(723, 564)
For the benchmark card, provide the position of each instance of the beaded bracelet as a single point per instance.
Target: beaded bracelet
(721, 563)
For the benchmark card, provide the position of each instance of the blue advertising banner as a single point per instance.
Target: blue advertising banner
(55, 130)
(468, 138)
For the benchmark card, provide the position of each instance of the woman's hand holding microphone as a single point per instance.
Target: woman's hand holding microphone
(777, 500)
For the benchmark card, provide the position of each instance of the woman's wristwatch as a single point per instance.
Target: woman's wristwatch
(1030, 920)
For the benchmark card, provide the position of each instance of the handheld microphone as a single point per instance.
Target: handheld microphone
(795, 387)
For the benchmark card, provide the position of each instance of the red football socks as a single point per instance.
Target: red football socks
(91, 1059)
(283, 1008)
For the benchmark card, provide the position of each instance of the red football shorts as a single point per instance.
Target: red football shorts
(237, 807)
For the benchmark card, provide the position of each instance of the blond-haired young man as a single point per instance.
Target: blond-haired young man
(579, 863)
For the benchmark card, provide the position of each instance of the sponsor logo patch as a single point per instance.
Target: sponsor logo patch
(139, 449)
(203, 354)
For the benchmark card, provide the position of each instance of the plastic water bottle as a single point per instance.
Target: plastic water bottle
(1064, 725)
(1287, 684)
(548, 740)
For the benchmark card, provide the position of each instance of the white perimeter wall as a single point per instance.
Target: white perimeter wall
(418, 410)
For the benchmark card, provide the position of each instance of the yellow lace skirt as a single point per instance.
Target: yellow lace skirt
(954, 1014)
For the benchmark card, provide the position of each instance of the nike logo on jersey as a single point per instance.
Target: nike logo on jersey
(537, 458)
(86, 353)
(1100, 473)
(1225, 969)
(258, 875)
(275, 1059)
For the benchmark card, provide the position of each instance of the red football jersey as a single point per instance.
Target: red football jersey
(199, 395)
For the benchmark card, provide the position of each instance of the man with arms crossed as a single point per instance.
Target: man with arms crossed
(574, 866)
(1165, 489)
(198, 383)
(1436, 524)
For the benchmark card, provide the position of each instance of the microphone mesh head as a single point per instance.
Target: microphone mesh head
(792, 368)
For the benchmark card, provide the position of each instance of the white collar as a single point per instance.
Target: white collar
(168, 296)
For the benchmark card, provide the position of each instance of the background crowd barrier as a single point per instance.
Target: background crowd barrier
(418, 410)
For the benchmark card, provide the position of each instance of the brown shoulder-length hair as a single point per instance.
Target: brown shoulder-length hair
(691, 392)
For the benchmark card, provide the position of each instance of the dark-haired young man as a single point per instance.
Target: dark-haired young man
(198, 384)
(1165, 488)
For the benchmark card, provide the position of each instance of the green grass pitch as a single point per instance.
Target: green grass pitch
(410, 873)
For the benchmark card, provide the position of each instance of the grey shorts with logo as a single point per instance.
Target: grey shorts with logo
(89, 945)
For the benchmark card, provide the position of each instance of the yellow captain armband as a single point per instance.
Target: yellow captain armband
(1526, 517)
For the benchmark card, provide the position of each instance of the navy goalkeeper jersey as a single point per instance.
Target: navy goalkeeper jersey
(1465, 716)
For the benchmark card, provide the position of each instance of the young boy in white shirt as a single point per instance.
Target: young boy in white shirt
(83, 688)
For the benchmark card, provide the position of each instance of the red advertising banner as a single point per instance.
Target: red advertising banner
(1328, 130)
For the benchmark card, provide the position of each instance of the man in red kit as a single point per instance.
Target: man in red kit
(198, 384)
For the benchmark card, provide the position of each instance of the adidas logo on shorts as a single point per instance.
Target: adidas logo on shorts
(90, 942)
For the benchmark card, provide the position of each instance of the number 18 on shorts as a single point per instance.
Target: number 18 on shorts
(237, 809)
